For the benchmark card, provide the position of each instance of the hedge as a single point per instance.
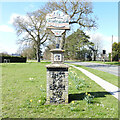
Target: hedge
(12, 59)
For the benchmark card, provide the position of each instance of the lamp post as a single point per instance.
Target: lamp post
(111, 48)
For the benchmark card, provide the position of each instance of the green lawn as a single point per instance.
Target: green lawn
(104, 75)
(24, 93)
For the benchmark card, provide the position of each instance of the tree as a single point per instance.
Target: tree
(4, 54)
(77, 45)
(28, 51)
(98, 45)
(30, 29)
(79, 11)
(116, 51)
(47, 53)
(119, 50)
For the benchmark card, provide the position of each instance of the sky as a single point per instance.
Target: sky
(106, 12)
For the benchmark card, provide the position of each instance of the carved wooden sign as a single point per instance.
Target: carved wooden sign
(58, 32)
(58, 22)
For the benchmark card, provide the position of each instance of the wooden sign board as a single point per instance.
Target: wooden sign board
(58, 32)
(57, 20)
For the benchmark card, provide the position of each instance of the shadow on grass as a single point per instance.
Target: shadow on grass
(81, 96)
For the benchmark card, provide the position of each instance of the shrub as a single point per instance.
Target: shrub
(12, 59)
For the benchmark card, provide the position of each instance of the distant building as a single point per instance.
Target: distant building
(16, 55)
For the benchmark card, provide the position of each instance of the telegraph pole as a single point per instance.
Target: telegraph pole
(111, 48)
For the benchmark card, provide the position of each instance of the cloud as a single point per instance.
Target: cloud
(8, 49)
(104, 41)
(12, 17)
(6, 28)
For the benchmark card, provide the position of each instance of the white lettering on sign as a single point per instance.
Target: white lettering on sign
(57, 20)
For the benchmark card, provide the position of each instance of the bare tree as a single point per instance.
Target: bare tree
(80, 13)
(31, 29)
(98, 45)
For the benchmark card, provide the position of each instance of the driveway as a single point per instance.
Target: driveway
(113, 69)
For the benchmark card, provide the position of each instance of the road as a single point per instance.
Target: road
(113, 69)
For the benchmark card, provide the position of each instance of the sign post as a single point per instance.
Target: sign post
(57, 71)
(58, 22)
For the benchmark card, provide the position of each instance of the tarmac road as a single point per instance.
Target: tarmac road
(113, 69)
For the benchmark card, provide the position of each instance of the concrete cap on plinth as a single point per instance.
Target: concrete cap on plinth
(57, 66)
(57, 50)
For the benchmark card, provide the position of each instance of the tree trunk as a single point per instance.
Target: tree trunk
(38, 53)
(94, 55)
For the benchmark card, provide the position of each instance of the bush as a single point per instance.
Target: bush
(12, 59)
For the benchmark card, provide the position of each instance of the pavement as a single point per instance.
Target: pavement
(112, 89)
(112, 69)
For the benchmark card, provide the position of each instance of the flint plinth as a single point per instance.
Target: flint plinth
(57, 78)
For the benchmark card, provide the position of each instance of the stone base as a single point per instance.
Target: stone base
(57, 84)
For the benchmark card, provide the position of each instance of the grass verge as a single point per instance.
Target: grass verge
(24, 93)
(104, 75)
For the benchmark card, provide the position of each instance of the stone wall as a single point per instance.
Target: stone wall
(57, 85)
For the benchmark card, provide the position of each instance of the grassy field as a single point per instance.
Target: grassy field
(104, 75)
(24, 93)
